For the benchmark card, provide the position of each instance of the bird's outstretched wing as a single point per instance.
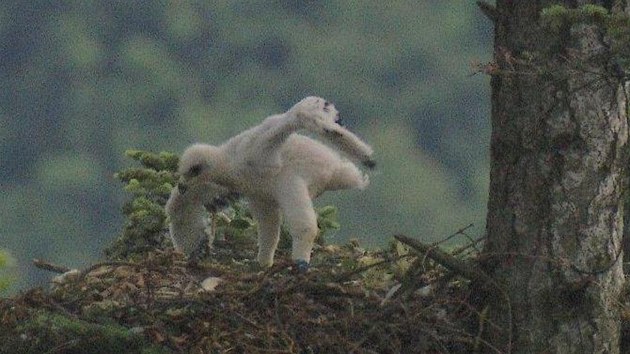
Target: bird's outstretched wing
(312, 114)
(349, 143)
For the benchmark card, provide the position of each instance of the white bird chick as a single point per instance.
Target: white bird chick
(277, 170)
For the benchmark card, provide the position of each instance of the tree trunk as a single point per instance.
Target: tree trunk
(555, 211)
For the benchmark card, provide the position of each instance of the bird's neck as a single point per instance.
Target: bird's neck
(224, 172)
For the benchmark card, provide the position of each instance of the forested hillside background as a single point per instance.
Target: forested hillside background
(82, 81)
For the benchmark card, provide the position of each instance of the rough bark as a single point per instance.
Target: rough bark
(555, 211)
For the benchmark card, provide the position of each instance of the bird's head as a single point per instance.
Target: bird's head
(201, 168)
(318, 108)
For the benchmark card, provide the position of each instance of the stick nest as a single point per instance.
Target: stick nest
(351, 301)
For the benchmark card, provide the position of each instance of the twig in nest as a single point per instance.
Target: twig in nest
(462, 268)
(347, 275)
(461, 231)
(466, 247)
(93, 267)
(456, 265)
(51, 267)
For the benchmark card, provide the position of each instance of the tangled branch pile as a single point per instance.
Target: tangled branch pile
(351, 301)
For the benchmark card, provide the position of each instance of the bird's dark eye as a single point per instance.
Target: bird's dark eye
(195, 170)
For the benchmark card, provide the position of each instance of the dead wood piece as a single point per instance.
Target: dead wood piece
(456, 265)
(51, 267)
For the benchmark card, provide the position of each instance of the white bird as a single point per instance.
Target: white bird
(277, 170)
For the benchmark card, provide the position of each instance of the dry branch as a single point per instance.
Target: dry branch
(463, 268)
(45, 265)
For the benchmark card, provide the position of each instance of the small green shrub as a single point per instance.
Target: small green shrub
(6, 261)
(145, 226)
(145, 219)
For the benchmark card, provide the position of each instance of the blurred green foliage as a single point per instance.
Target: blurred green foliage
(85, 80)
(6, 261)
(614, 26)
(48, 332)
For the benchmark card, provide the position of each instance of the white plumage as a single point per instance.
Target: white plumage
(277, 170)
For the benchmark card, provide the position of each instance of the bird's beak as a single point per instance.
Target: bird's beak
(371, 164)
